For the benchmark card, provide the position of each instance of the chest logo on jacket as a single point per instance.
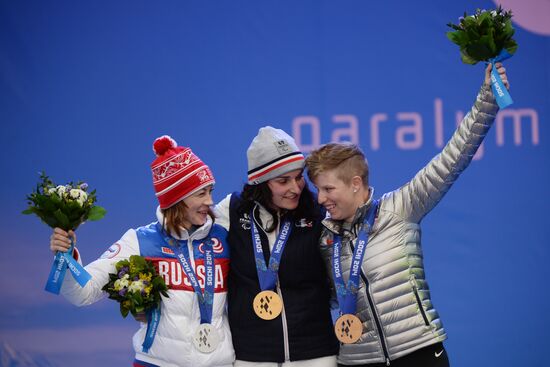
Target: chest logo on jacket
(167, 251)
(245, 221)
(304, 223)
(217, 246)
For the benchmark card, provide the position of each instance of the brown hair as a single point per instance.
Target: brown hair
(174, 216)
(347, 158)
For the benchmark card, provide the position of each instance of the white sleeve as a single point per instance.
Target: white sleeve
(221, 211)
(99, 270)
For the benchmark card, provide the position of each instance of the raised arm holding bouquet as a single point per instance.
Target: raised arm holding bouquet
(486, 36)
(185, 303)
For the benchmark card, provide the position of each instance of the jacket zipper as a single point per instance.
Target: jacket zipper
(419, 301)
(285, 325)
(374, 315)
(280, 293)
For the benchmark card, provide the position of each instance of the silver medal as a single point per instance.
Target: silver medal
(206, 338)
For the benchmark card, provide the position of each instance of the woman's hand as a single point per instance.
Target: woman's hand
(141, 317)
(61, 240)
(501, 71)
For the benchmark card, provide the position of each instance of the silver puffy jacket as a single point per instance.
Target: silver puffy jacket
(394, 299)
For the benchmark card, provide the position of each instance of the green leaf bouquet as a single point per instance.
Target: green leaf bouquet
(136, 285)
(64, 206)
(483, 35)
(67, 207)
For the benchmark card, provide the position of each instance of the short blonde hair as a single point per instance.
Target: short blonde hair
(347, 159)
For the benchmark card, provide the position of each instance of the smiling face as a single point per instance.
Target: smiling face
(286, 189)
(339, 198)
(197, 206)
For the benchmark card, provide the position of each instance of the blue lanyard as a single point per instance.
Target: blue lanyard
(206, 298)
(62, 262)
(268, 276)
(153, 320)
(347, 295)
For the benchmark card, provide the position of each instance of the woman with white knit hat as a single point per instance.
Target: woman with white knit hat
(184, 244)
(278, 300)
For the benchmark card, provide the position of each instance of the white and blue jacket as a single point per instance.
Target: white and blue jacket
(180, 315)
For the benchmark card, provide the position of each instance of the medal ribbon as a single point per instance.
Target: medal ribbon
(347, 295)
(153, 319)
(62, 261)
(206, 298)
(268, 275)
(500, 92)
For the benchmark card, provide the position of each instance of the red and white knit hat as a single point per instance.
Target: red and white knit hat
(177, 172)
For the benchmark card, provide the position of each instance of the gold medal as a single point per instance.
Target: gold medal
(267, 305)
(348, 328)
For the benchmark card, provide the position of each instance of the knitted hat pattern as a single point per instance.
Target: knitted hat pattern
(177, 172)
(272, 153)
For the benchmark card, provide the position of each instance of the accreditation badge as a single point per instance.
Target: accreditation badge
(348, 328)
(267, 305)
(206, 338)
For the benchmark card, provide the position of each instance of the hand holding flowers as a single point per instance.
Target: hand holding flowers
(138, 288)
(486, 36)
(64, 208)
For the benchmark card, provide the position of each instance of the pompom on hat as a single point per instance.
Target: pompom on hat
(272, 153)
(177, 172)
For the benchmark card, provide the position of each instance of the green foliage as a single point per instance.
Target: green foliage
(483, 35)
(64, 206)
(136, 285)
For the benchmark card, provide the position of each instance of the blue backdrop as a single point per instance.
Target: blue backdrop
(85, 87)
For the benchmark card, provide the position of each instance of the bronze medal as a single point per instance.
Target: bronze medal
(267, 305)
(348, 328)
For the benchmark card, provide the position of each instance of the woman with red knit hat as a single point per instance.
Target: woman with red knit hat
(184, 244)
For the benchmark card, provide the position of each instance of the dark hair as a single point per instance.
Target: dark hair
(261, 193)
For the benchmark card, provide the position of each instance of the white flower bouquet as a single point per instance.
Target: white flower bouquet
(483, 35)
(67, 207)
(64, 206)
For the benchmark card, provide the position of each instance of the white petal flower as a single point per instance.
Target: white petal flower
(117, 285)
(124, 282)
(74, 193)
(61, 190)
(136, 286)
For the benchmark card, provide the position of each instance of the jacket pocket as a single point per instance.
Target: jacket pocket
(419, 301)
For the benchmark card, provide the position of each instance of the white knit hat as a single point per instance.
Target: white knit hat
(272, 153)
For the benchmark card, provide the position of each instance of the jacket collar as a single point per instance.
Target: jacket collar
(199, 232)
(265, 218)
(339, 227)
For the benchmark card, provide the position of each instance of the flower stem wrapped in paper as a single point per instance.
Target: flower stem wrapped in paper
(137, 286)
(67, 207)
(486, 36)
